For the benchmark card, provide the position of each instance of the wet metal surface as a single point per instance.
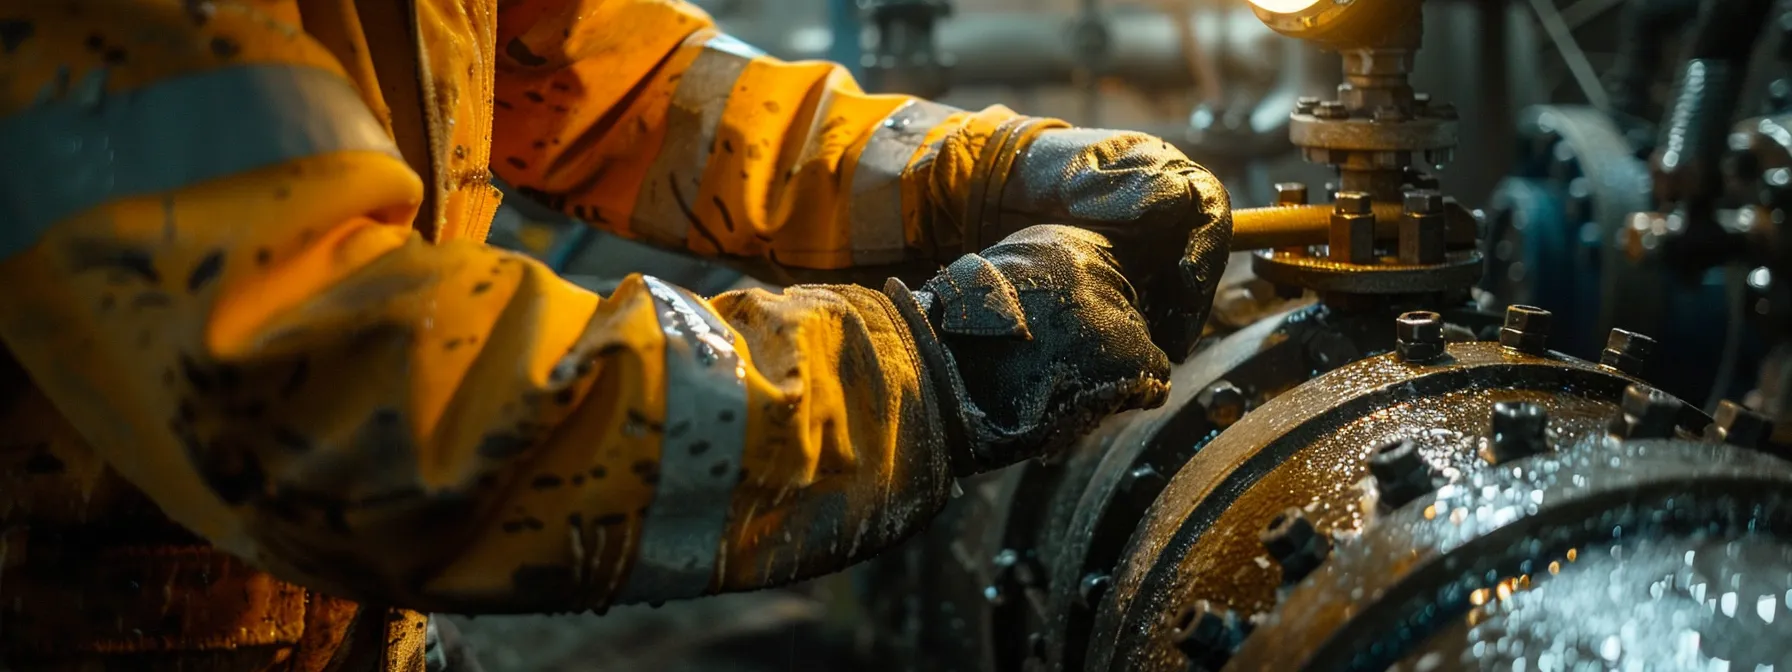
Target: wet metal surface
(1309, 449)
(1602, 555)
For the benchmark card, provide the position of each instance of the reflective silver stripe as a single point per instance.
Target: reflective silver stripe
(67, 155)
(700, 451)
(669, 192)
(877, 234)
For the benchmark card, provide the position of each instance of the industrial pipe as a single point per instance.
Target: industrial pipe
(1303, 225)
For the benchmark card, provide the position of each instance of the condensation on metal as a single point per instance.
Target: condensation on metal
(67, 155)
(877, 230)
(700, 451)
(1417, 571)
(663, 206)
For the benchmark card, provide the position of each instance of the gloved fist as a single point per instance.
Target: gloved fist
(1030, 344)
(1170, 220)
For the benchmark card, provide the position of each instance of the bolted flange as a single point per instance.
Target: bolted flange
(1419, 337)
(1627, 352)
(1352, 239)
(1208, 635)
(1518, 429)
(1293, 541)
(1738, 426)
(1647, 413)
(1526, 330)
(1401, 473)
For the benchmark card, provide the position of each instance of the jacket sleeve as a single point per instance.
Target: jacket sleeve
(639, 117)
(208, 265)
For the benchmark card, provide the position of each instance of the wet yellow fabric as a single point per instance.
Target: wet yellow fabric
(287, 365)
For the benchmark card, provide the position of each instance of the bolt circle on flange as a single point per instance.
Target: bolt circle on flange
(1419, 337)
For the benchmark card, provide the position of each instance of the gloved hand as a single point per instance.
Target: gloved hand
(1030, 344)
(1170, 220)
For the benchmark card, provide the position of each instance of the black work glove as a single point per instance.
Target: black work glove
(1170, 220)
(1030, 344)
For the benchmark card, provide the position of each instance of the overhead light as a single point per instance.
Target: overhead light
(1284, 6)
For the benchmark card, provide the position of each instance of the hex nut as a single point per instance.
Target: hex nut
(1092, 588)
(1738, 426)
(1208, 635)
(1401, 473)
(1293, 541)
(1518, 429)
(1419, 337)
(1223, 402)
(1647, 413)
(1526, 329)
(1331, 110)
(1422, 238)
(1352, 239)
(1291, 193)
(1627, 352)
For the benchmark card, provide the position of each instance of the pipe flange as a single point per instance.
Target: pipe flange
(1373, 135)
(1296, 268)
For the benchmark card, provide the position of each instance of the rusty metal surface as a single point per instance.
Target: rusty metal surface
(1299, 269)
(1308, 449)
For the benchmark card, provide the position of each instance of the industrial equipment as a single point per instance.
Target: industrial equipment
(1391, 477)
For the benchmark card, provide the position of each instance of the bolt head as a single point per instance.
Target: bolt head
(1648, 413)
(1223, 401)
(1424, 202)
(1332, 109)
(1419, 336)
(1306, 105)
(1288, 533)
(1519, 430)
(1627, 351)
(1739, 426)
(1401, 473)
(1207, 634)
(1092, 588)
(1353, 203)
(1526, 329)
(1291, 193)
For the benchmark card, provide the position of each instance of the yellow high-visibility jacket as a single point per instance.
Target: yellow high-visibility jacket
(248, 308)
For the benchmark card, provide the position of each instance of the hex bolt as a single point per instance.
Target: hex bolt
(1291, 193)
(1647, 413)
(1526, 330)
(1331, 110)
(1390, 113)
(1293, 541)
(1422, 228)
(1627, 352)
(1305, 105)
(1092, 588)
(1353, 229)
(1208, 635)
(1419, 337)
(1142, 485)
(1738, 426)
(1401, 473)
(1518, 430)
(1223, 402)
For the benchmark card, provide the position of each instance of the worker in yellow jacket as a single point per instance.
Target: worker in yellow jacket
(269, 397)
